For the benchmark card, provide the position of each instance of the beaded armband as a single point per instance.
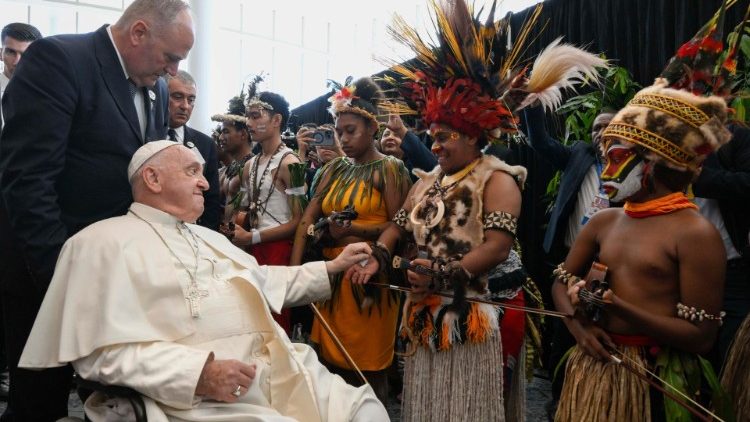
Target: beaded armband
(501, 220)
(698, 315)
(400, 218)
(566, 278)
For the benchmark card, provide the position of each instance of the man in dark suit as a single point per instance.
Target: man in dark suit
(76, 110)
(182, 94)
(722, 191)
(580, 164)
(577, 199)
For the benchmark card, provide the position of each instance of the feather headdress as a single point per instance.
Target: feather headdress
(236, 111)
(697, 66)
(468, 77)
(253, 98)
(682, 117)
(362, 97)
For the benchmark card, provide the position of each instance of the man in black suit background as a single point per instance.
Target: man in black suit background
(182, 94)
(76, 110)
(580, 195)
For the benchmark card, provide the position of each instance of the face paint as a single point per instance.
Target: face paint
(260, 129)
(439, 137)
(622, 176)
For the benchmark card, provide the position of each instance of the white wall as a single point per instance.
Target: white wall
(297, 43)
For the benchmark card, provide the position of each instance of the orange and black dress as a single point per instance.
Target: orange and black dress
(363, 319)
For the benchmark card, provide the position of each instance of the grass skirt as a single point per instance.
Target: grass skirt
(736, 374)
(463, 383)
(597, 391)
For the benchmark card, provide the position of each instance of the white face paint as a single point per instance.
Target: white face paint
(260, 129)
(629, 186)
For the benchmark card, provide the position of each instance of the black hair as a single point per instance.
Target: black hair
(21, 32)
(280, 105)
(368, 95)
(674, 180)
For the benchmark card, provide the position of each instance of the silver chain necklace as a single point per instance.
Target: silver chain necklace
(194, 293)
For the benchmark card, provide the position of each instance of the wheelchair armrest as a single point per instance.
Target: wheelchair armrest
(132, 396)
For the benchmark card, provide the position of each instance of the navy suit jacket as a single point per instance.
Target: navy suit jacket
(574, 161)
(211, 205)
(70, 130)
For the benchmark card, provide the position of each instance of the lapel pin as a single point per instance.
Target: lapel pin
(152, 95)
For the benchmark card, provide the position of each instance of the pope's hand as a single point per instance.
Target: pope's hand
(220, 380)
(353, 253)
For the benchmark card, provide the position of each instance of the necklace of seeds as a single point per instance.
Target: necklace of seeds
(256, 183)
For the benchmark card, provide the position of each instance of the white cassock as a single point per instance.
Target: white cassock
(117, 310)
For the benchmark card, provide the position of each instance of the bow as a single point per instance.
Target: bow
(338, 342)
(404, 264)
(484, 301)
(633, 366)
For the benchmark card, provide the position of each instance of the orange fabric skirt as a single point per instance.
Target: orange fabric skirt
(368, 335)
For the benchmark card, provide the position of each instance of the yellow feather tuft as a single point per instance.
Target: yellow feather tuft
(511, 58)
(445, 28)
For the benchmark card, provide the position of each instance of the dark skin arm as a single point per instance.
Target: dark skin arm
(589, 337)
(312, 213)
(390, 237)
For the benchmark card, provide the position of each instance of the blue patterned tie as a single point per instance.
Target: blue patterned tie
(132, 88)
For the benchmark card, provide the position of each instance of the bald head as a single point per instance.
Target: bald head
(172, 181)
(597, 128)
(161, 14)
(153, 36)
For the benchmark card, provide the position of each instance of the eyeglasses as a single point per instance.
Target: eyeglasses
(444, 135)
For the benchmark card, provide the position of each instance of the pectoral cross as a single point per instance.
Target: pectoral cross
(194, 295)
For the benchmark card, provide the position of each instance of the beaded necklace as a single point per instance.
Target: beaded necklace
(256, 206)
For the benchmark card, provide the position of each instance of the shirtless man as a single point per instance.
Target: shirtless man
(678, 258)
(660, 252)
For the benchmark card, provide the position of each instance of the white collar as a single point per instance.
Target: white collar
(153, 215)
(122, 62)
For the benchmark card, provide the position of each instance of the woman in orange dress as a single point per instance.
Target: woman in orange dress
(375, 185)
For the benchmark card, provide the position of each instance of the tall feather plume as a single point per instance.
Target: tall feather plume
(237, 104)
(252, 86)
(559, 68)
(467, 76)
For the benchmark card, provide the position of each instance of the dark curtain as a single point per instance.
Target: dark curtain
(640, 35)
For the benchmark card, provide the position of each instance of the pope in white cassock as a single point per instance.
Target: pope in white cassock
(176, 312)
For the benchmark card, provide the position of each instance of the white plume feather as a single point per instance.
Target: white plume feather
(557, 68)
